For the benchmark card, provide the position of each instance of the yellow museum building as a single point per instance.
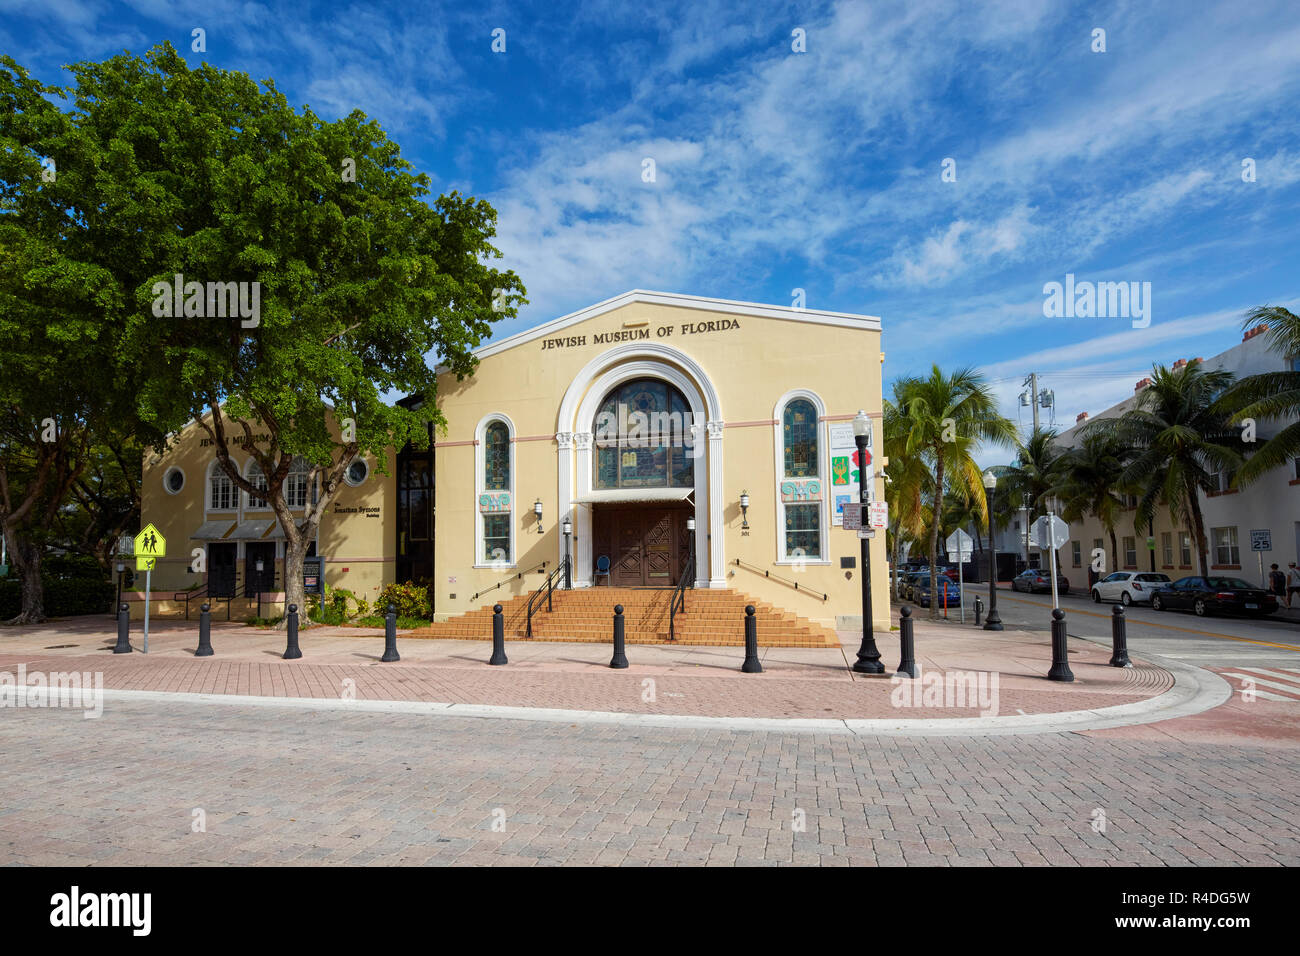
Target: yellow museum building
(660, 431)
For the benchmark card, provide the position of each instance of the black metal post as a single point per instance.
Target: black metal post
(1060, 664)
(390, 636)
(868, 661)
(1119, 639)
(498, 637)
(568, 564)
(994, 621)
(205, 631)
(979, 606)
(293, 652)
(619, 660)
(123, 645)
(751, 665)
(908, 644)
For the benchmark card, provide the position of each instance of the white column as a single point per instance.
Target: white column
(564, 492)
(713, 507)
(582, 570)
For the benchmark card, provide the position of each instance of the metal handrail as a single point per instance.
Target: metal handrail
(679, 595)
(549, 586)
(776, 577)
(200, 591)
(518, 576)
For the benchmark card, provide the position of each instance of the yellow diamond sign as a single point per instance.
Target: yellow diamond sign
(150, 544)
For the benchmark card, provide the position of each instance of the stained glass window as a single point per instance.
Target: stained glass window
(496, 457)
(803, 538)
(643, 437)
(496, 537)
(800, 436)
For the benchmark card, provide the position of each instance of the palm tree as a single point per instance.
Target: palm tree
(907, 483)
(1179, 438)
(1090, 485)
(1035, 475)
(1270, 394)
(946, 417)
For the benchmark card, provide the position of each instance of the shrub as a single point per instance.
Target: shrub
(410, 600)
(64, 596)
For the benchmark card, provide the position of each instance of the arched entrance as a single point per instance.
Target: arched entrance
(642, 439)
(645, 479)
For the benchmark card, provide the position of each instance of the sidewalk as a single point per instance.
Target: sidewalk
(797, 683)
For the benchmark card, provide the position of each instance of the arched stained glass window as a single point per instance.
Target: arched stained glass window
(799, 432)
(643, 437)
(496, 457)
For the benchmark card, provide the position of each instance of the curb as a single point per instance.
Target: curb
(1195, 690)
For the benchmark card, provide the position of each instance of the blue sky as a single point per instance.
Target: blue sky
(778, 170)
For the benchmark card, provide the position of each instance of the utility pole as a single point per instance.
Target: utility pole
(1032, 382)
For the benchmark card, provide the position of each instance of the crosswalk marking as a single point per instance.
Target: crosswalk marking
(1259, 677)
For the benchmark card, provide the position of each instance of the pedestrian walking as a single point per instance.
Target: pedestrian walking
(1292, 582)
(1277, 583)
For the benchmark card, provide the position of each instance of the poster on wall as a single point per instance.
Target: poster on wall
(845, 469)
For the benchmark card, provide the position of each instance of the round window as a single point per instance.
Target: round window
(357, 472)
(174, 480)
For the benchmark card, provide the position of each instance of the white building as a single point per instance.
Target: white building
(1270, 504)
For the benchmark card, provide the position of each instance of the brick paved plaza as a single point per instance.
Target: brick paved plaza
(244, 758)
(285, 786)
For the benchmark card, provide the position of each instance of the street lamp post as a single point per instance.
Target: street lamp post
(993, 622)
(567, 527)
(868, 661)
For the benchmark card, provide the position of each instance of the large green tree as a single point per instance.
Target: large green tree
(1178, 438)
(350, 273)
(946, 417)
(1034, 476)
(60, 324)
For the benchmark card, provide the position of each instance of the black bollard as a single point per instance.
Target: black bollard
(908, 644)
(498, 636)
(123, 645)
(1060, 665)
(751, 665)
(390, 636)
(1119, 639)
(205, 631)
(619, 660)
(292, 652)
(979, 606)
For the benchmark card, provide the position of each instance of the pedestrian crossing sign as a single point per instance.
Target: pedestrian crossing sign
(149, 543)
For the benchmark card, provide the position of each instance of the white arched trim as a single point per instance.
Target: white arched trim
(778, 443)
(574, 437)
(480, 481)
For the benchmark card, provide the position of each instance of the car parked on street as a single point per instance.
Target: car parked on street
(1032, 580)
(1214, 595)
(949, 594)
(910, 582)
(1129, 587)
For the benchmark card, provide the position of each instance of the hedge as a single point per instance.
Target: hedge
(64, 596)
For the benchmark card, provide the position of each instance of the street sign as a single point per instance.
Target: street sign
(1261, 539)
(866, 532)
(145, 564)
(1050, 533)
(958, 545)
(879, 514)
(852, 517)
(150, 542)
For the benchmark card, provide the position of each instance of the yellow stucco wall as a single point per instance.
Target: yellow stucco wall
(750, 364)
(355, 534)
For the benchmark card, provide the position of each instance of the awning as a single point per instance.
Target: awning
(616, 495)
(213, 530)
(252, 529)
(277, 533)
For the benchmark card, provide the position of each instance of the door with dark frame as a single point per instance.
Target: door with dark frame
(259, 581)
(647, 546)
(221, 569)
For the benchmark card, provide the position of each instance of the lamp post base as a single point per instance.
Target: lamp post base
(993, 622)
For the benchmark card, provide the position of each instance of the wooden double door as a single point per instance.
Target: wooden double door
(646, 546)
